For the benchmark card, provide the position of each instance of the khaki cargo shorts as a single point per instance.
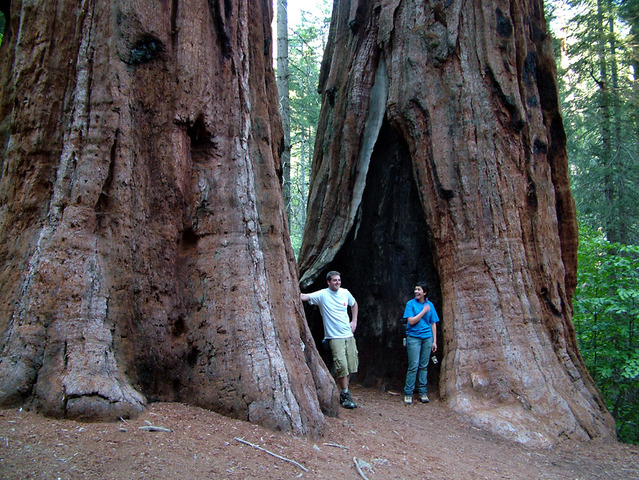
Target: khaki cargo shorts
(345, 356)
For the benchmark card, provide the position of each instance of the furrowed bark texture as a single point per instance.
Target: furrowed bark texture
(441, 155)
(143, 239)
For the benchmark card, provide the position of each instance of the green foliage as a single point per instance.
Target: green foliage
(598, 90)
(3, 24)
(306, 47)
(606, 317)
(596, 48)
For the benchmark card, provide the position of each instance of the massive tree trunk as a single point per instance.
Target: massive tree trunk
(143, 243)
(441, 156)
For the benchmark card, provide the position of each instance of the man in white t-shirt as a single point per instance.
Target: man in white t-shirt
(338, 330)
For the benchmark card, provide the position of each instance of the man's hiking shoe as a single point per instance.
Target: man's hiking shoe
(424, 398)
(346, 401)
(408, 399)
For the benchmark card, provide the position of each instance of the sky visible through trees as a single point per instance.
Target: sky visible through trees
(295, 8)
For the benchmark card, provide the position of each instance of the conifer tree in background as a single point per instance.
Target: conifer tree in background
(3, 23)
(283, 94)
(629, 11)
(598, 80)
(599, 105)
(306, 47)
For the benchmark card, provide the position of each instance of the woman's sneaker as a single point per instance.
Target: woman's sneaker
(408, 399)
(424, 398)
(346, 401)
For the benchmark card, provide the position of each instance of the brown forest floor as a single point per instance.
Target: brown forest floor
(391, 440)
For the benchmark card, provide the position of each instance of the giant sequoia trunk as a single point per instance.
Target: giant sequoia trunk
(143, 241)
(441, 156)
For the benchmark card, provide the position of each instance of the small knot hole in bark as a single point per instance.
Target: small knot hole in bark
(199, 135)
(439, 12)
(201, 141)
(445, 193)
(192, 356)
(530, 69)
(189, 238)
(504, 27)
(540, 146)
(531, 194)
(331, 93)
(146, 49)
(179, 327)
(532, 101)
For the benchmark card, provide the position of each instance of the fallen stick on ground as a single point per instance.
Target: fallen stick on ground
(336, 445)
(271, 453)
(153, 428)
(359, 470)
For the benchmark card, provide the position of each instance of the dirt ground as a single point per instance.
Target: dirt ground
(386, 438)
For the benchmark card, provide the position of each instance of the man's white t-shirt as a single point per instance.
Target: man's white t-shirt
(334, 310)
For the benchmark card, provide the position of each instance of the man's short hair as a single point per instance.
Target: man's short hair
(331, 274)
(424, 285)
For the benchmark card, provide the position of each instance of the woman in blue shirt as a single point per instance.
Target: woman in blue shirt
(421, 340)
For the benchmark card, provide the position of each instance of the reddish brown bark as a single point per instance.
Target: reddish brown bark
(441, 155)
(143, 234)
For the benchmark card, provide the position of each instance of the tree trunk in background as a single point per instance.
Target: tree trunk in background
(606, 119)
(441, 155)
(283, 95)
(143, 238)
